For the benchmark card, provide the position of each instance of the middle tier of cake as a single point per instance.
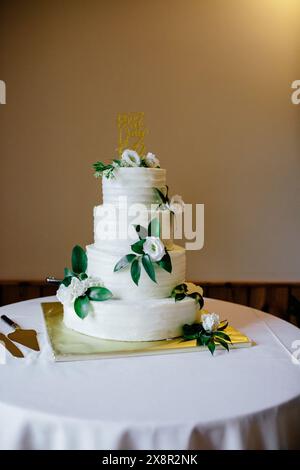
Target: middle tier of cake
(101, 265)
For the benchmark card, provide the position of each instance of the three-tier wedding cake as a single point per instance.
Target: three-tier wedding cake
(132, 285)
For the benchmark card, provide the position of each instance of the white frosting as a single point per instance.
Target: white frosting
(146, 320)
(136, 313)
(101, 265)
(136, 184)
(116, 225)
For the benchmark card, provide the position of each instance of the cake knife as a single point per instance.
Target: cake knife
(10, 346)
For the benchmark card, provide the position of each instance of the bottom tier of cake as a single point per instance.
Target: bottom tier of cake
(147, 320)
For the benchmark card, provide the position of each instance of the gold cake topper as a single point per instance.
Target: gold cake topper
(132, 132)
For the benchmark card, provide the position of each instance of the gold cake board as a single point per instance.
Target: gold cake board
(69, 345)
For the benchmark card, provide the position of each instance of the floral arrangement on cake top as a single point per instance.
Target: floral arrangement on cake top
(129, 158)
(80, 288)
(148, 251)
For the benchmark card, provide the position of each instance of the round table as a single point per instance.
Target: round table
(245, 399)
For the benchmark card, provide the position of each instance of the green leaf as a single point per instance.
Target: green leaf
(68, 272)
(67, 281)
(79, 260)
(220, 334)
(198, 297)
(166, 263)
(82, 306)
(211, 346)
(161, 196)
(137, 247)
(154, 228)
(82, 276)
(135, 271)
(141, 231)
(149, 268)
(99, 293)
(180, 289)
(180, 297)
(125, 261)
(192, 331)
(223, 327)
(223, 343)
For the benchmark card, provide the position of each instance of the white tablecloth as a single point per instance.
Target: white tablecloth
(245, 399)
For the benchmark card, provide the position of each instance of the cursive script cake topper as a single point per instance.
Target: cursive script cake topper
(132, 132)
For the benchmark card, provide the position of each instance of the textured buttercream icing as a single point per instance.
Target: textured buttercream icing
(101, 264)
(134, 320)
(135, 313)
(135, 184)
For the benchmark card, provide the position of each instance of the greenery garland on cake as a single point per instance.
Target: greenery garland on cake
(129, 158)
(80, 288)
(148, 251)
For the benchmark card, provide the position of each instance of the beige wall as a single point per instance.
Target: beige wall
(213, 78)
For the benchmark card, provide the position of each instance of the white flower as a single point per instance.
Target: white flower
(151, 160)
(93, 282)
(131, 158)
(154, 247)
(67, 295)
(63, 294)
(210, 321)
(176, 204)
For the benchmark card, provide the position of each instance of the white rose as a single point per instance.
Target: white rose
(176, 204)
(68, 294)
(210, 321)
(63, 294)
(155, 248)
(151, 160)
(131, 158)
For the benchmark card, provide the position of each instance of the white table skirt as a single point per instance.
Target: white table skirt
(245, 399)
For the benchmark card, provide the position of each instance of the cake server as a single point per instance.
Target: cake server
(10, 346)
(26, 337)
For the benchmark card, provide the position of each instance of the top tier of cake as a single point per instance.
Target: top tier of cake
(135, 184)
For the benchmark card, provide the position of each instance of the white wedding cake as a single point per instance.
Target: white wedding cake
(133, 262)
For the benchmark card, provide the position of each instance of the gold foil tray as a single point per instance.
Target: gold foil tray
(68, 345)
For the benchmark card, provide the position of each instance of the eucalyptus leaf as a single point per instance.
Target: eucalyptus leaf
(125, 261)
(137, 247)
(149, 268)
(154, 228)
(135, 271)
(166, 263)
(79, 260)
(82, 306)
(99, 293)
